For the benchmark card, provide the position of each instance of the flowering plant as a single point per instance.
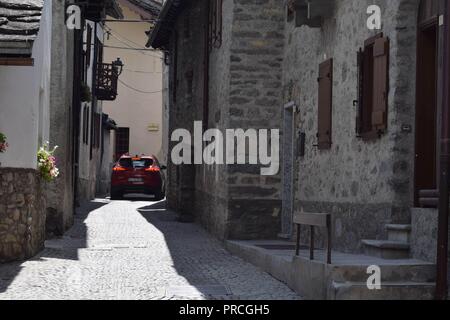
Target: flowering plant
(47, 163)
(3, 143)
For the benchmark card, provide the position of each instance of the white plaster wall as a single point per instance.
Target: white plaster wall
(25, 100)
(133, 109)
(85, 164)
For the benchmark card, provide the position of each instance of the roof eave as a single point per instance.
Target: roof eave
(159, 36)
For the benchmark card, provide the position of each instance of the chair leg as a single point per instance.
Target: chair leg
(311, 245)
(297, 246)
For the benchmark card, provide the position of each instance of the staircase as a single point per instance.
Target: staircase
(401, 277)
(397, 246)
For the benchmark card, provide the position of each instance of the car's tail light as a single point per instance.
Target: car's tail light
(152, 169)
(117, 169)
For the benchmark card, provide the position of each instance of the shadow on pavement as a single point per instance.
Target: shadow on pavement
(189, 247)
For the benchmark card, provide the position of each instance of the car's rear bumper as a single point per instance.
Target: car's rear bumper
(135, 189)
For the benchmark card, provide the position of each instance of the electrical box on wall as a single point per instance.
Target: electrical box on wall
(312, 12)
(301, 142)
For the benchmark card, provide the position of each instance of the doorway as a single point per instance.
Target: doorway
(122, 142)
(426, 168)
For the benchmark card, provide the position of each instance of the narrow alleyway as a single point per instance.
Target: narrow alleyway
(134, 249)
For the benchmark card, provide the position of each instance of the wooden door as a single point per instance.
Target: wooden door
(426, 108)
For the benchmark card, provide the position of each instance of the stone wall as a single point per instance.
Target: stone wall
(364, 184)
(22, 214)
(60, 192)
(255, 102)
(424, 234)
(244, 91)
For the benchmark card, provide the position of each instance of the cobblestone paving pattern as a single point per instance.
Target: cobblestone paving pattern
(135, 249)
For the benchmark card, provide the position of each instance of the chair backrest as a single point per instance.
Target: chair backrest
(313, 219)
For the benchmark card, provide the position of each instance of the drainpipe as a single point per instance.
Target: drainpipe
(442, 242)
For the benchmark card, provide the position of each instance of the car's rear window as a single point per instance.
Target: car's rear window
(135, 163)
(142, 163)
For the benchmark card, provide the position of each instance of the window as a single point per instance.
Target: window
(325, 104)
(215, 24)
(373, 88)
(290, 5)
(175, 69)
(85, 124)
(97, 130)
(122, 142)
(88, 44)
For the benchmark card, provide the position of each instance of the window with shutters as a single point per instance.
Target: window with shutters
(325, 105)
(373, 88)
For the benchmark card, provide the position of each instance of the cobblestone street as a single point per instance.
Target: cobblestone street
(134, 249)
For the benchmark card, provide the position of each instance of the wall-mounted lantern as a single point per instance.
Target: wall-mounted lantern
(118, 65)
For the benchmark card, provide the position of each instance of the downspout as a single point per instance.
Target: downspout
(443, 96)
(206, 52)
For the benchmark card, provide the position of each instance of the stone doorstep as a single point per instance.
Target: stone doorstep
(389, 290)
(386, 249)
(387, 244)
(399, 227)
(399, 232)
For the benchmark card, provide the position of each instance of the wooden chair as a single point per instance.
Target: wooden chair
(321, 220)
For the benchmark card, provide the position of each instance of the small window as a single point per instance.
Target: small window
(325, 104)
(97, 130)
(86, 125)
(373, 88)
(215, 24)
(290, 7)
(88, 43)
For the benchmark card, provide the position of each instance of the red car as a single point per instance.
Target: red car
(138, 175)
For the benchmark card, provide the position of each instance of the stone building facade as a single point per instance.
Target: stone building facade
(38, 78)
(228, 80)
(60, 193)
(368, 183)
(265, 73)
(25, 68)
(364, 184)
(22, 213)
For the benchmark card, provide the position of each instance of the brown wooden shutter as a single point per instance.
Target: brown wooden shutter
(380, 84)
(325, 104)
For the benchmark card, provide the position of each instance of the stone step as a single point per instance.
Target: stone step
(403, 271)
(388, 291)
(386, 249)
(399, 232)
